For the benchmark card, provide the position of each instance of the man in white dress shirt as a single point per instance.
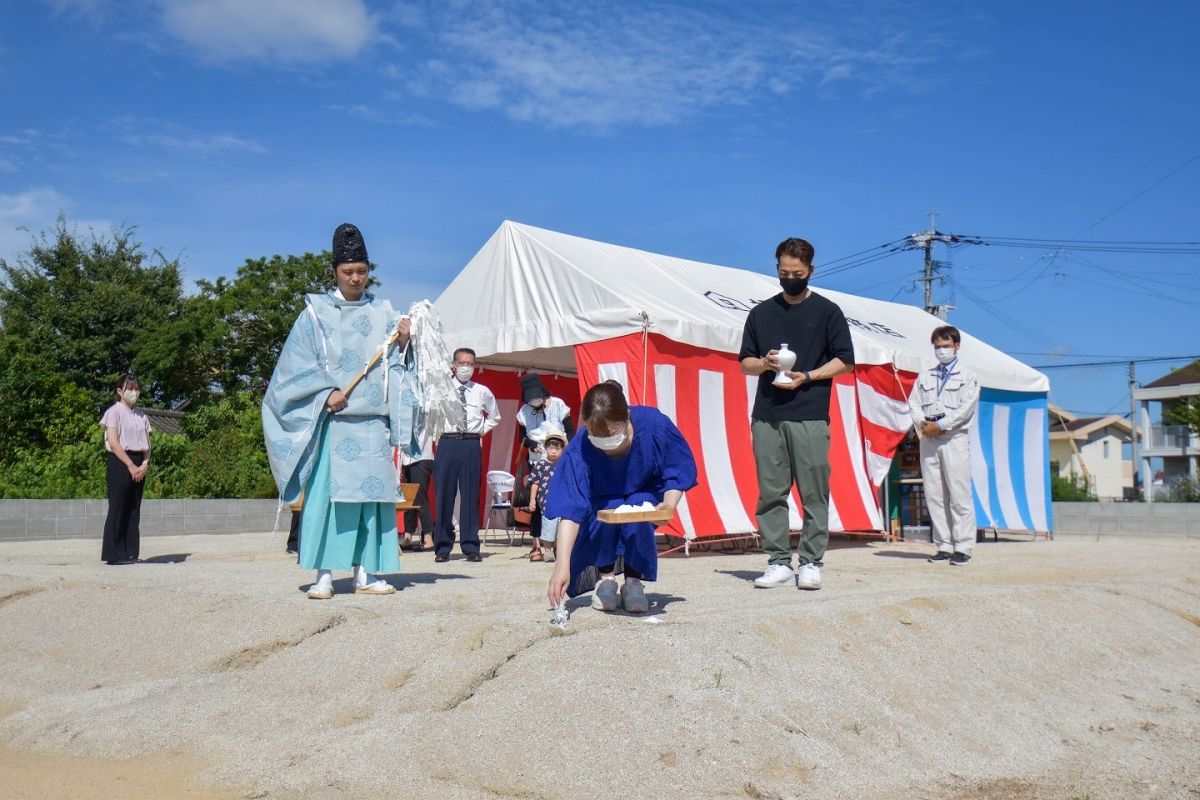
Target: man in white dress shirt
(458, 464)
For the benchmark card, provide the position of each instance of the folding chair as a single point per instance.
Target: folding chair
(500, 490)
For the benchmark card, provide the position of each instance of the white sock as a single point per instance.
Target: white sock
(361, 576)
(324, 577)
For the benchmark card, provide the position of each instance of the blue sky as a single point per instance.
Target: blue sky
(228, 129)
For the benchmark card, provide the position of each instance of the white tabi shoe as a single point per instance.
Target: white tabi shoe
(364, 585)
(323, 588)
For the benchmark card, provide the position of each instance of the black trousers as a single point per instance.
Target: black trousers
(293, 541)
(457, 470)
(122, 537)
(419, 472)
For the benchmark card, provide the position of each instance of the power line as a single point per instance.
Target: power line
(1094, 242)
(1121, 362)
(1008, 320)
(1133, 248)
(908, 276)
(824, 265)
(862, 262)
(1123, 359)
(1152, 186)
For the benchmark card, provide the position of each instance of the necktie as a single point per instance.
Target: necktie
(462, 395)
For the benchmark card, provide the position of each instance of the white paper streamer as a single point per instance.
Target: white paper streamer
(439, 401)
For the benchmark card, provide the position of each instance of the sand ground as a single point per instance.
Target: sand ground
(1065, 669)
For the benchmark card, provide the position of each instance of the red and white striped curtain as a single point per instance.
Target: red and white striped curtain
(705, 393)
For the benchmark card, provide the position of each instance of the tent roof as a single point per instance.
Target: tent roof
(530, 294)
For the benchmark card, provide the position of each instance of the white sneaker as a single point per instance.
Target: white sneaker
(776, 575)
(808, 577)
(604, 597)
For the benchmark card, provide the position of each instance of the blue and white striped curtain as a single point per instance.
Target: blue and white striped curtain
(1010, 464)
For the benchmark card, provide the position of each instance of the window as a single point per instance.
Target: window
(1106, 449)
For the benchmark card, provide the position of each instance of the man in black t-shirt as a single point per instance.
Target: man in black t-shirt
(790, 421)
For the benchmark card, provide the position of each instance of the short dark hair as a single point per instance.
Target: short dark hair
(603, 404)
(463, 350)
(795, 248)
(946, 332)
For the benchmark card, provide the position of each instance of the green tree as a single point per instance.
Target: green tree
(82, 308)
(226, 457)
(77, 311)
(248, 319)
(1069, 489)
(1185, 411)
(63, 451)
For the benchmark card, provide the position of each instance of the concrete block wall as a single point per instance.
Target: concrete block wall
(1128, 519)
(22, 520)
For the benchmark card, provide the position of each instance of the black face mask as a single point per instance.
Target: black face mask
(794, 286)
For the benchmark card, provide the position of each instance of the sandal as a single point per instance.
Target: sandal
(379, 586)
(536, 555)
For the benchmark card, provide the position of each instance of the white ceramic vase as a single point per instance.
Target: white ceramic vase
(787, 359)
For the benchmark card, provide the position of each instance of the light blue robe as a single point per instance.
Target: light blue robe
(349, 453)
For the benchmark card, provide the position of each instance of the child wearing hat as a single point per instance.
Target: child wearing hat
(553, 439)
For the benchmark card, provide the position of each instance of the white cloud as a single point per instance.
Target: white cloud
(597, 68)
(379, 116)
(199, 144)
(592, 68)
(150, 132)
(271, 30)
(31, 204)
(25, 214)
(24, 138)
(92, 9)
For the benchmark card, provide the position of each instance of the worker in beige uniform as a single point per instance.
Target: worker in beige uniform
(942, 404)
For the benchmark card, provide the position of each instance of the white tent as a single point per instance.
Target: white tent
(547, 291)
(537, 299)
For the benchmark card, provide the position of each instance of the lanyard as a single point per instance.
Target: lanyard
(943, 379)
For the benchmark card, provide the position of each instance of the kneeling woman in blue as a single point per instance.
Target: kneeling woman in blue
(338, 449)
(630, 455)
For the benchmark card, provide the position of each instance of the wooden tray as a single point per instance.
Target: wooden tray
(409, 490)
(657, 515)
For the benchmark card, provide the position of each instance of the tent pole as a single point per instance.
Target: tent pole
(645, 351)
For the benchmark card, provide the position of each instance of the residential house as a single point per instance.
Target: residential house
(1177, 445)
(164, 421)
(1092, 449)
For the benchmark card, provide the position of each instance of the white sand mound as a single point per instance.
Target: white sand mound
(1040, 670)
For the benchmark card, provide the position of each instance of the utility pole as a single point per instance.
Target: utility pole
(925, 240)
(1133, 433)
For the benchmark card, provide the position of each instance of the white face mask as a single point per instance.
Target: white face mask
(130, 396)
(464, 373)
(945, 355)
(607, 443)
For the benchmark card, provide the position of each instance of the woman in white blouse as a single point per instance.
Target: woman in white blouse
(127, 439)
